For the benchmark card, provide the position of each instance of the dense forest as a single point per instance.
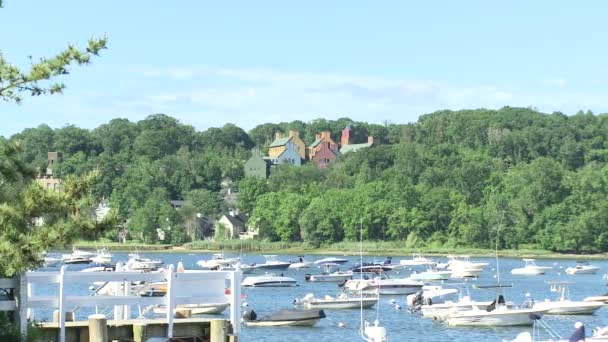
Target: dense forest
(453, 178)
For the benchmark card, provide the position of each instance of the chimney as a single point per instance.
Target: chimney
(346, 136)
(278, 135)
(372, 140)
(326, 135)
(294, 134)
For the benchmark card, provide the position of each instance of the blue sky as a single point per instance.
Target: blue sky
(250, 62)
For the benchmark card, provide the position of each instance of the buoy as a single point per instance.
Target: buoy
(397, 307)
(180, 267)
(245, 304)
(527, 294)
(341, 325)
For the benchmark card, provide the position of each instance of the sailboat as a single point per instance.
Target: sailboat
(369, 332)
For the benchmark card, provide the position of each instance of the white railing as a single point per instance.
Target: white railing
(188, 287)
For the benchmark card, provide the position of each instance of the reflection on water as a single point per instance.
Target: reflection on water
(401, 325)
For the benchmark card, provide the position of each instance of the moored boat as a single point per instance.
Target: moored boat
(331, 260)
(272, 263)
(284, 318)
(564, 306)
(531, 268)
(342, 301)
(269, 280)
(417, 260)
(383, 286)
(301, 263)
(582, 267)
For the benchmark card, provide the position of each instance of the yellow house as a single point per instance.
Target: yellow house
(279, 145)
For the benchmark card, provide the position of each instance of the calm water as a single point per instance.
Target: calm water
(401, 325)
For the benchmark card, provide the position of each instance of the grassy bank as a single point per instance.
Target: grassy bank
(379, 248)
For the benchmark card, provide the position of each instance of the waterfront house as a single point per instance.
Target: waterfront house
(257, 165)
(323, 151)
(234, 223)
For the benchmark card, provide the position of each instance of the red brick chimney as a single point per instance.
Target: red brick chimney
(346, 136)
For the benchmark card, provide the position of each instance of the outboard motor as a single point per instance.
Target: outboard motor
(342, 283)
(307, 277)
(250, 315)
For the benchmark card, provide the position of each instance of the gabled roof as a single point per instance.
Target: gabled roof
(236, 220)
(353, 147)
(280, 142)
(316, 142)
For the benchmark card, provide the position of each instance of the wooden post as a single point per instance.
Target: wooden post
(139, 332)
(98, 328)
(233, 338)
(218, 330)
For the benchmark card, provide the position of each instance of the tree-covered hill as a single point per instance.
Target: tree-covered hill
(454, 178)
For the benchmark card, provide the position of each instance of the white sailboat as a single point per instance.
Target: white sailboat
(531, 268)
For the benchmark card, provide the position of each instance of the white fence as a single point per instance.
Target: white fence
(188, 287)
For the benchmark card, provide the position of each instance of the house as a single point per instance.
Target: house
(234, 223)
(257, 166)
(346, 142)
(284, 150)
(324, 155)
(325, 137)
(47, 180)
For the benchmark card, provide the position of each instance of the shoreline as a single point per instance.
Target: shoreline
(332, 250)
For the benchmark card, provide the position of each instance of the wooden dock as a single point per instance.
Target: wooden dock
(206, 329)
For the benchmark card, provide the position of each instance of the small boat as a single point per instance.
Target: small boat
(373, 267)
(51, 261)
(76, 260)
(463, 267)
(269, 280)
(284, 318)
(334, 277)
(99, 269)
(301, 263)
(197, 309)
(273, 263)
(431, 274)
(103, 257)
(331, 260)
(498, 313)
(83, 253)
(582, 267)
(383, 286)
(217, 261)
(245, 269)
(531, 268)
(342, 301)
(601, 298)
(139, 263)
(417, 260)
(564, 306)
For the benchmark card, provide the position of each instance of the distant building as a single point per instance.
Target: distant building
(284, 150)
(323, 137)
(47, 181)
(346, 142)
(234, 223)
(257, 166)
(325, 155)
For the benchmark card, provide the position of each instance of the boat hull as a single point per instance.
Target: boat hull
(328, 278)
(574, 270)
(298, 323)
(364, 303)
(271, 284)
(570, 308)
(496, 318)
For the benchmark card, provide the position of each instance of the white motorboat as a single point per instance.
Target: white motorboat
(245, 269)
(463, 267)
(217, 261)
(432, 294)
(103, 257)
(196, 309)
(582, 267)
(564, 306)
(334, 277)
(601, 298)
(301, 263)
(417, 260)
(83, 253)
(98, 269)
(70, 259)
(441, 311)
(496, 314)
(272, 263)
(383, 286)
(531, 268)
(431, 274)
(269, 280)
(284, 318)
(331, 260)
(342, 301)
(139, 263)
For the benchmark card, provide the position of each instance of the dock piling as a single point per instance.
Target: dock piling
(98, 328)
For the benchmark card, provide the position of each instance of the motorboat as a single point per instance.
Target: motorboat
(245, 269)
(463, 267)
(582, 267)
(383, 286)
(217, 261)
(139, 263)
(601, 298)
(284, 318)
(373, 267)
(564, 306)
(103, 257)
(498, 313)
(335, 277)
(272, 263)
(196, 309)
(431, 274)
(269, 280)
(342, 301)
(331, 260)
(99, 269)
(440, 308)
(83, 253)
(301, 263)
(417, 260)
(531, 268)
(432, 294)
(75, 260)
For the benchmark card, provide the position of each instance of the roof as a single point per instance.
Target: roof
(236, 220)
(353, 147)
(269, 160)
(280, 142)
(316, 142)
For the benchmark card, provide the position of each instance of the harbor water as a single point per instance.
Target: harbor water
(401, 325)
